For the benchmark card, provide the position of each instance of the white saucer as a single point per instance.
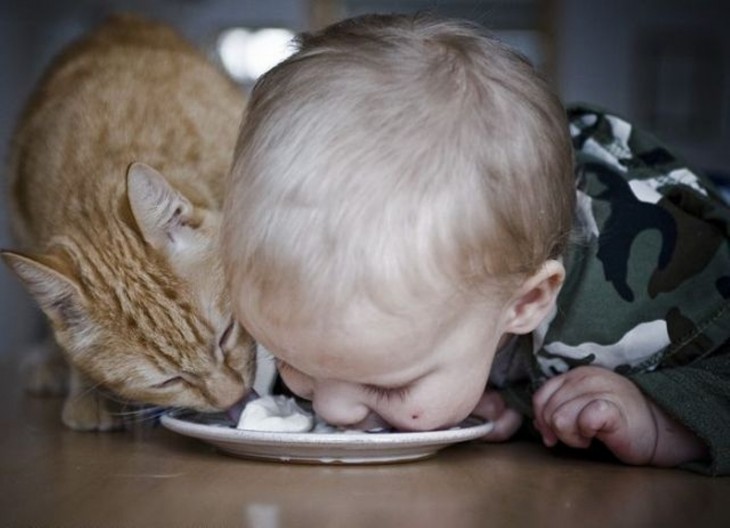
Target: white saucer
(320, 448)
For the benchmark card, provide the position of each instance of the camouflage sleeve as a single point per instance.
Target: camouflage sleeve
(648, 276)
(647, 291)
(698, 396)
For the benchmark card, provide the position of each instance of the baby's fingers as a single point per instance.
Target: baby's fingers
(568, 423)
(505, 421)
(504, 427)
(599, 418)
(545, 401)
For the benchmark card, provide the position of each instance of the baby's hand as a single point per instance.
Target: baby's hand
(591, 402)
(506, 421)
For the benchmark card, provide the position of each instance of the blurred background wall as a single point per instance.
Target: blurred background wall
(664, 64)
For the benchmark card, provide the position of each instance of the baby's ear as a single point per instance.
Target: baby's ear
(535, 298)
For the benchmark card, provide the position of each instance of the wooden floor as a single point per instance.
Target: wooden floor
(150, 477)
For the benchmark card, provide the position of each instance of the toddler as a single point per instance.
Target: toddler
(417, 232)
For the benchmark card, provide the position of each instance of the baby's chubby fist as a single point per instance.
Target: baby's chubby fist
(591, 402)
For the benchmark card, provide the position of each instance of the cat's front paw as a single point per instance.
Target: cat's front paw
(89, 412)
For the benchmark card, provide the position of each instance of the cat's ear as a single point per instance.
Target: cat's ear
(161, 212)
(57, 294)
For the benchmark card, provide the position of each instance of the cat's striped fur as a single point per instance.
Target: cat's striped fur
(121, 257)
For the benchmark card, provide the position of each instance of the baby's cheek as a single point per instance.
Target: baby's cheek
(414, 418)
(426, 411)
(414, 424)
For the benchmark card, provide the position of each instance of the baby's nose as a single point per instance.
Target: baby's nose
(338, 404)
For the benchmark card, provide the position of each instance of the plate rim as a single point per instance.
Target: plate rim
(308, 439)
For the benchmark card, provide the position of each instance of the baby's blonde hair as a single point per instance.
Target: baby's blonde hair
(389, 156)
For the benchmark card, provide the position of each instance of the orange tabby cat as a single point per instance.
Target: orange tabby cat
(123, 260)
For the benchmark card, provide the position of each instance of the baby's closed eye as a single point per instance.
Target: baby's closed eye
(388, 393)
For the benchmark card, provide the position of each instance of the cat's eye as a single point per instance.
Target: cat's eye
(225, 342)
(226, 334)
(227, 338)
(169, 382)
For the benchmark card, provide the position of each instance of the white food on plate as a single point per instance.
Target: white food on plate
(275, 413)
(282, 414)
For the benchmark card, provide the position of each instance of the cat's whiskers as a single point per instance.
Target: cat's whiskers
(89, 388)
(141, 415)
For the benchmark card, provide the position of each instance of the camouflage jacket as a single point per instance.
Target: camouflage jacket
(647, 290)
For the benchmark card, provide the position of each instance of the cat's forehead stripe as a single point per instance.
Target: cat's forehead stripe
(143, 294)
